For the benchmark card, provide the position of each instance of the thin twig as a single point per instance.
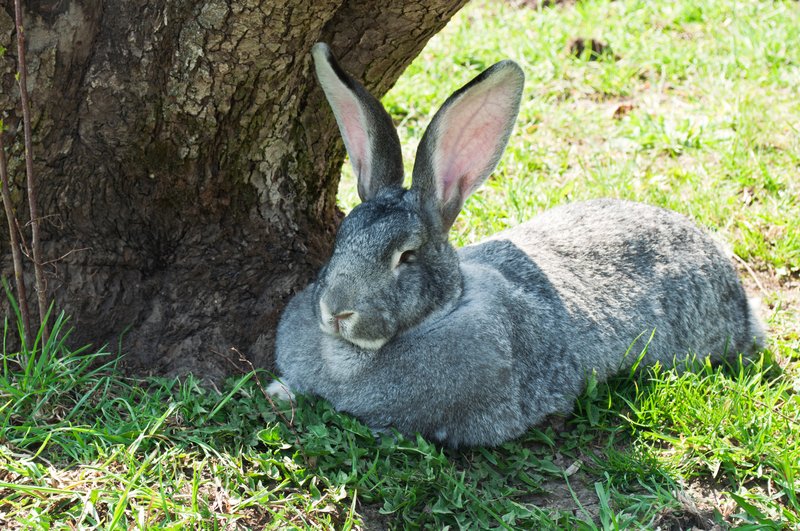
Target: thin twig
(24, 244)
(289, 422)
(22, 295)
(34, 211)
(47, 217)
(66, 255)
(752, 273)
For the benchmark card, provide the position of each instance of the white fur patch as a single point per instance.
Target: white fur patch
(325, 318)
(367, 344)
(280, 391)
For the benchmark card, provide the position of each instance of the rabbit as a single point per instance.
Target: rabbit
(472, 347)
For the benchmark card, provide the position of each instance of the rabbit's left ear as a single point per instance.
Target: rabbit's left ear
(369, 135)
(466, 139)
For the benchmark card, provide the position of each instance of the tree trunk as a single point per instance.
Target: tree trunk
(187, 163)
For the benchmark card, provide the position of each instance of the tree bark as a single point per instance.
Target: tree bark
(187, 163)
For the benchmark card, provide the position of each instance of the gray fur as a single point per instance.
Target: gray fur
(473, 347)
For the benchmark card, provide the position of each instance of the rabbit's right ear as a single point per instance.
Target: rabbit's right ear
(369, 135)
(466, 138)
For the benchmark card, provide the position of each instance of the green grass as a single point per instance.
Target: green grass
(696, 109)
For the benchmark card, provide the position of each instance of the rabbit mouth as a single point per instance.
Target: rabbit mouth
(366, 344)
(345, 332)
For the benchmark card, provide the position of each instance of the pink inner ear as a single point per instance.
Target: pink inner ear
(469, 136)
(352, 125)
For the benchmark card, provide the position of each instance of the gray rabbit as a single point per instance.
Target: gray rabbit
(474, 346)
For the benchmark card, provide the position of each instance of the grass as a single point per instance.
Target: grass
(696, 108)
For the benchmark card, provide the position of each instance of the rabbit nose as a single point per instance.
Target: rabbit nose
(334, 314)
(338, 318)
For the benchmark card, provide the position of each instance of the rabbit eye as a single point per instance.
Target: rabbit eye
(407, 257)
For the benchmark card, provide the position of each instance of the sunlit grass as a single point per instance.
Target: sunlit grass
(696, 109)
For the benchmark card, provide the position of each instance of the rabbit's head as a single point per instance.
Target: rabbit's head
(392, 266)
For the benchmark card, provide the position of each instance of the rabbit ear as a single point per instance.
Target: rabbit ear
(466, 138)
(367, 129)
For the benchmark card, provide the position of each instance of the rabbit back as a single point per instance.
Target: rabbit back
(618, 270)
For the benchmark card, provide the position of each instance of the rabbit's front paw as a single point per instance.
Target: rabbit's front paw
(280, 391)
